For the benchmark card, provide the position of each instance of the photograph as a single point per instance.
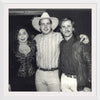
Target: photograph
(50, 49)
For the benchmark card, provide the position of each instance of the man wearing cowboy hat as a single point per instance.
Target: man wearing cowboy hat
(47, 43)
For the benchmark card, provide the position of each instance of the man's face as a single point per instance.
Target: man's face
(67, 28)
(45, 26)
(22, 35)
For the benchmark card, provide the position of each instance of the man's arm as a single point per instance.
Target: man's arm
(87, 59)
(59, 63)
(82, 63)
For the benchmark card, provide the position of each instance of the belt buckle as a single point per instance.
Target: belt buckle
(71, 76)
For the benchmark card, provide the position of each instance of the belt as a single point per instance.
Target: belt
(52, 69)
(71, 76)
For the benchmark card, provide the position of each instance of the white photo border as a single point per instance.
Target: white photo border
(54, 6)
(6, 7)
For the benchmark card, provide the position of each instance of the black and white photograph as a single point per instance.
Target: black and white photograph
(50, 49)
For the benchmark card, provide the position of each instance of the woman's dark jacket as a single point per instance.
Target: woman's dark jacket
(21, 65)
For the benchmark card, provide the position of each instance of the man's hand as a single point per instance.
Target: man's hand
(86, 89)
(84, 38)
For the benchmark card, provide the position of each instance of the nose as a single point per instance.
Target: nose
(45, 25)
(22, 36)
(66, 28)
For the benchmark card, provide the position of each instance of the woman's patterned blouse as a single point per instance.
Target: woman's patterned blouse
(26, 63)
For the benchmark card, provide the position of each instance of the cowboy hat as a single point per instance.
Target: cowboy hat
(35, 21)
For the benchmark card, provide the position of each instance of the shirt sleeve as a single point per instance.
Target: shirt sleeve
(35, 38)
(59, 63)
(87, 58)
(60, 37)
(83, 64)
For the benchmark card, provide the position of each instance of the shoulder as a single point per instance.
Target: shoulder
(58, 36)
(37, 37)
(76, 43)
(79, 46)
(32, 43)
(61, 43)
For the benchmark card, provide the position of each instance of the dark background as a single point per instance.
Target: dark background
(81, 17)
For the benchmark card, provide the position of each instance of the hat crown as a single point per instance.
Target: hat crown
(45, 15)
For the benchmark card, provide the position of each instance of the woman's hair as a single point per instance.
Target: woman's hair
(16, 42)
(17, 31)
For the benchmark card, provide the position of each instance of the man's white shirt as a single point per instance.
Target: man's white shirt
(48, 49)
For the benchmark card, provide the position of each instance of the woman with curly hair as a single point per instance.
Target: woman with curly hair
(22, 63)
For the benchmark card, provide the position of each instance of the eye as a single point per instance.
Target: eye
(42, 24)
(24, 33)
(63, 27)
(69, 25)
(48, 23)
(19, 34)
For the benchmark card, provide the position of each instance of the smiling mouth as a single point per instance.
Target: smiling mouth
(46, 29)
(67, 31)
(22, 39)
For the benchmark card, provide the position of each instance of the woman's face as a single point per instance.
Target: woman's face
(22, 35)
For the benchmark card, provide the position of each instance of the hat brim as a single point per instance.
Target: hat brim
(35, 22)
